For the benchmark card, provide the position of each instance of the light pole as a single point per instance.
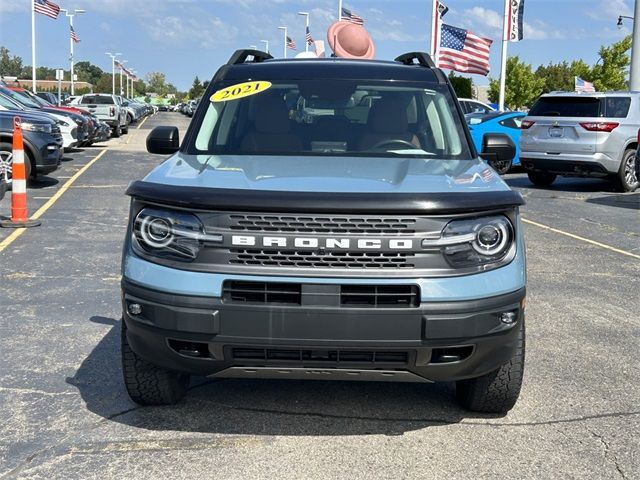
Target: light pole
(306, 30)
(284, 50)
(634, 70)
(113, 70)
(122, 62)
(266, 45)
(133, 73)
(71, 14)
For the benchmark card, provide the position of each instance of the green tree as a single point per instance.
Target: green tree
(104, 84)
(609, 73)
(88, 72)
(197, 89)
(157, 83)
(556, 76)
(523, 86)
(463, 86)
(10, 65)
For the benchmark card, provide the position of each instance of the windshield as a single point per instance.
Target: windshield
(21, 99)
(40, 101)
(9, 104)
(345, 117)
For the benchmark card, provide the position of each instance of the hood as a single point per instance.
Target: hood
(7, 115)
(327, 174)
(326, 184)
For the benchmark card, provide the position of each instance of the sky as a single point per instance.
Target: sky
(185, 38)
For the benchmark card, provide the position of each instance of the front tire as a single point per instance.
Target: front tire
(497, 391)
(501, 166)
(626, 180)
(146, 383)
(542, 179)
(6, 164)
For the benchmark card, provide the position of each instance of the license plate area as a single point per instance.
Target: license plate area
(556, 132)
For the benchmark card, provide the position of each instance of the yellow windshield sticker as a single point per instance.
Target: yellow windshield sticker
(239, 90)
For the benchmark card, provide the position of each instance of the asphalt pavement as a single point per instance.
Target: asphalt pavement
(66, 413)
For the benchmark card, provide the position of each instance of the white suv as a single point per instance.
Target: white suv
(582, 135)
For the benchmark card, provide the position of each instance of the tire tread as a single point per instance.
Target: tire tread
(146, 383)
(497, 391)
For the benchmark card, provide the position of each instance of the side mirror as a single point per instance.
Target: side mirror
(163, 140)
(497, 147)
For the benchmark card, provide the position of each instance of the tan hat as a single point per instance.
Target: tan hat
(349, 40)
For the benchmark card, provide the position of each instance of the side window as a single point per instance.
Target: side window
(475, 107)
(465, 106)
(617, 107)
(511, 122)
(87, 99)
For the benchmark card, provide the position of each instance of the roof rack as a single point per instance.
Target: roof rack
(410, 58)
(241, 56)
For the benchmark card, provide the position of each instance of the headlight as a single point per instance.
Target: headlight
(173, 235)
(475, 242)
(37, 127)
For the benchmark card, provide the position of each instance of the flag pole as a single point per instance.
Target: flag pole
(33, 46)
(339, 10)
(505, 41)
(73, 89)
(434, 26)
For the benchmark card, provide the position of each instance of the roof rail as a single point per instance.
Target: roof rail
(423, 59)
(241, 56)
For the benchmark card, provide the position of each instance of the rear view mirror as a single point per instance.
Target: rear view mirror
(163, 140)
(497, 147)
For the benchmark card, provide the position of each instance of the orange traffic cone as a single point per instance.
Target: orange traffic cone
(19, 217)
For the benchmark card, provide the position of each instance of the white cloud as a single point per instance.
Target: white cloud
(608, 10)
(204, 32)
(488, 23)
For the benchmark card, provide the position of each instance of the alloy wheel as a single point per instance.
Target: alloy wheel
(6, 166)
(630, 172)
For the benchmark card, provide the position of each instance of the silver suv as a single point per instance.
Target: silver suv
(583, 135)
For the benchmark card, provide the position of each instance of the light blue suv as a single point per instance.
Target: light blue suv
(364, 240)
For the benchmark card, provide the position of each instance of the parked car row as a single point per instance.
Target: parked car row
(570, 134)
(188, 108)
(50, 130)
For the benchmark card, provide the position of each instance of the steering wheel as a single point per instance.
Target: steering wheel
(404, 143)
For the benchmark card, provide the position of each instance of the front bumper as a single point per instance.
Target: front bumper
(48, 156)
(591, 165)
(438, 341)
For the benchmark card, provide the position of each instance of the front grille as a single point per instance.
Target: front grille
(308, 259)
(319, 356)
(262, 292)
(380, 296)
(310, 295)
(322, 224)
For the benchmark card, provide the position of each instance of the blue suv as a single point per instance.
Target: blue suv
(325, 219)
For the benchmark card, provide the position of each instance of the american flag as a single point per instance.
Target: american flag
(308, 37)
(291, 44)
(583, 86)
(74, 35)
(47, 8)
(350, 16)
(464, 51)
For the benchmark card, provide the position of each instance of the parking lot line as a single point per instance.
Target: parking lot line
(141, 123)
(582, 239)
(15, 235)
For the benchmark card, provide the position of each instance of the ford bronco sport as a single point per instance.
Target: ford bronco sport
(325, 219)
